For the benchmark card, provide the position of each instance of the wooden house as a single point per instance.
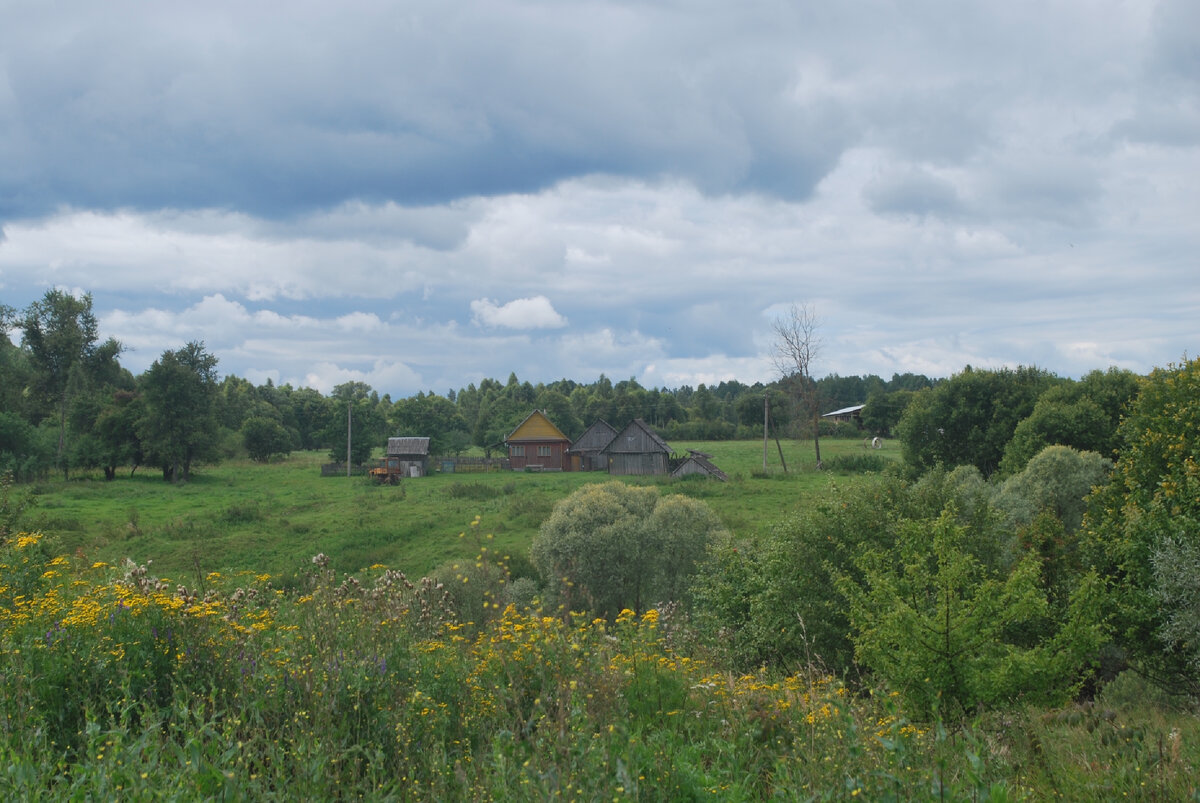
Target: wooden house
(699, 463)
(408, 456)
(537, 445)
(638, 450)
(587, 452)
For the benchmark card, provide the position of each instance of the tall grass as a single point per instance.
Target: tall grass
(121, 684)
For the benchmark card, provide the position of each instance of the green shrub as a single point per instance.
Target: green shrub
(612, 546)
(856, 463)
(940, 628)
(1057, 479)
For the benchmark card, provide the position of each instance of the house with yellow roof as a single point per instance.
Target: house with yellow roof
(537, 445)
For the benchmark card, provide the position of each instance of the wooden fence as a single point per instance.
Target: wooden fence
(339, 470)
(470, 465)
(446, 465)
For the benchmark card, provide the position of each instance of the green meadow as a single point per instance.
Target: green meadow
(272, 518)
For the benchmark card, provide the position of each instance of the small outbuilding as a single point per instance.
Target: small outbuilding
(537, 445)
(409, 457)
(851, 413)
(587, 452)
(638, 450)
(699, 463)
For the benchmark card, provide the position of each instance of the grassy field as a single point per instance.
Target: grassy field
(123, 687)
(273, 518)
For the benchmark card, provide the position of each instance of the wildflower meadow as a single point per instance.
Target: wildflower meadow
(121, 684)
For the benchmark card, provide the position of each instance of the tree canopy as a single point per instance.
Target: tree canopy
(179, 391)
(970, 418)
(612, 546)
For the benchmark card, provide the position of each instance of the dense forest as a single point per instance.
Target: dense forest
(68, 404)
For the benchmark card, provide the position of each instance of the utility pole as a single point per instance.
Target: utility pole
(349, 413)
(766, 420)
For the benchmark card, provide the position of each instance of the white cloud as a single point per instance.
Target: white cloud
(325, 376)
(360, 322)
(523, 313)
(712, 370)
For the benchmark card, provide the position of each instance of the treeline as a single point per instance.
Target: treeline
(67, 404)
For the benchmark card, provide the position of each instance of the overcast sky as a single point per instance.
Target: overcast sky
(420, 194)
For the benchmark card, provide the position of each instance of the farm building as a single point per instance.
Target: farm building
(852, 413)
(637, 450)
(409, 455)
(699, 463)
(587, 452)
(536, 444)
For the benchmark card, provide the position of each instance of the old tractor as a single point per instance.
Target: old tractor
(389, 471)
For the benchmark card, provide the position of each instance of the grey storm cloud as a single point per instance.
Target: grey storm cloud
(280, 108)
(914, 193)
(277, 108)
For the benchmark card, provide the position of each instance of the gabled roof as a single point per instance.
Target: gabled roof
(536, 427)
(632, 429)
(706, 466)
(408, 446)
(595, 437)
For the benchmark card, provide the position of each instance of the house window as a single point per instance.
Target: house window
(543, 451)
(518, 451)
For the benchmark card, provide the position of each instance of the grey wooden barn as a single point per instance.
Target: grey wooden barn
(638, 450)
(587, 452)
(699, 463)
(411, 455)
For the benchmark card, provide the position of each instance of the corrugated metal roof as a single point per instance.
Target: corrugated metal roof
(408, 446)
(845, 410)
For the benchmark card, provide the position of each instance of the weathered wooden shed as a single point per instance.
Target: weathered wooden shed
(851, 413)
(409, 455)
(638, 450)
(699, 463)
(587, 452)
(536, 444)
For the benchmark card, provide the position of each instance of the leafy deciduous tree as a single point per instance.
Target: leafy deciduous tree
(265, 438)
(355, 406)
(60, 334)
(179, 391)
(884, 409)
(970, 418)
(431, 416)
(612, 546)
(1083, 415)
(1152, 507)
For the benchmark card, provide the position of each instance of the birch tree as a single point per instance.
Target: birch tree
(796, 349)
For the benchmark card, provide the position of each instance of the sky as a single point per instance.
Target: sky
(421, 194)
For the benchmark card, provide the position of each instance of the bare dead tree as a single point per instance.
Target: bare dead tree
(796, 349)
